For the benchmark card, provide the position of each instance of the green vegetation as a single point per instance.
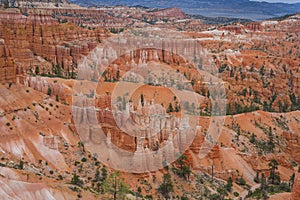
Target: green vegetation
(99, 179)
(229, 184)
(60, 177)
(116, 30)
(237, 108)
(37, 70)
(266, 146)
(167, 186)
(170, 108)
(274, 178)
(114, 186)
(241, 181)
(21, 164)
(104, 173)
(6, 4)
(273, 185)
(76, 180)
(257, 179)
(142, 100)
(49, 91)
(181, 168)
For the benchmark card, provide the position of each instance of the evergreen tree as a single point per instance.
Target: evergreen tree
(229, 184)
(21, 164)
(271, 145)
(97, 175)
(262, 71)
(256, 179)
(118, 75)
(76, 180)
(273, 166)
(37, 70)
(167, 186)
(115, 186)
(49, 91)
(182, 169)
(241, 181)
(291, 181)
(253, 138)
(177, 107)
(103, 173)
(142, 100)
(170, 108)
(263, 182)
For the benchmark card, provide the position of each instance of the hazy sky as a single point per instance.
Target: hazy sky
(285, 1)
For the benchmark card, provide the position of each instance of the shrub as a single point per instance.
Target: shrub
(241, 181)
(60, 177)
(49, 91)
(21, 164)
(229, 184)
(167, 186)
(236, 194)
(76, 180)
(182, 170)
(215, 197)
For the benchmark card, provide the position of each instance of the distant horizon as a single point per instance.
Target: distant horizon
(279, 1)
(269, 1)
(244, 9)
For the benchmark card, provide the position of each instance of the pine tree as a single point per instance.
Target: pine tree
(183, 170)
(256, 179)
(49, 91)
(170, 108)
(21, 164)
(263, 182)
(76, 180)
(103, 173)
(167, 186)
(115, 187)
(273, 164)
(142, 100)
(229, 184)
(37, 70)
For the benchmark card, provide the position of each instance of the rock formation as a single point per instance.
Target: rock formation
(7, 65)
(38, 39)
(34, 3)
(296, 187)
(168, 13)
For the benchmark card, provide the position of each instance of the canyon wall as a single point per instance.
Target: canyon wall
(35, 39)
(296, 188)
(7, 65)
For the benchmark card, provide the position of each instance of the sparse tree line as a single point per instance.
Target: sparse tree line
(272, 184)
(57, 70)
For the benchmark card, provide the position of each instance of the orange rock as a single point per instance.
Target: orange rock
(39, 38)
(296, 188)
(7, 65)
